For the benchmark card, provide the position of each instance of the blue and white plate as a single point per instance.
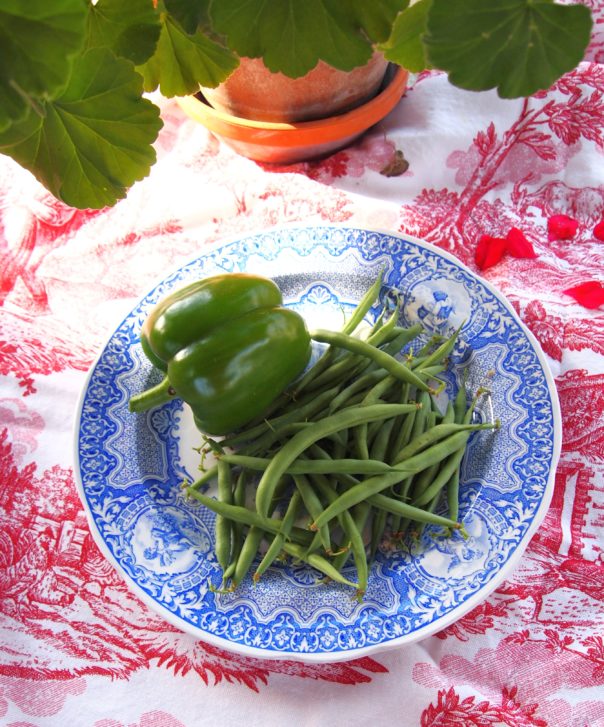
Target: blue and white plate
(130, 467)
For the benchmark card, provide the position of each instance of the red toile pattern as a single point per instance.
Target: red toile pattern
(51, 572)
(521, 173)
(451, 710)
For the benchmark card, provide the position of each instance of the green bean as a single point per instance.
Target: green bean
(318, 562)
(222, 527)
(315, 544)
(376, 484)
(206, 477)
(417, 429)
(340, 445)
(364, 305)
(453, 463)
(360, 432)
(379, 444)
(431, 372)
(449, 415)
(251, 432)
(392, 365)
(402, 428)
(357, 548)
(346, 368)
(450, 466)
(353, 534)
(423, 353)
(351, 365)
(403, 337)
(464, 415)
(426, 494)
(378, 526)
(239, 495)
(441, 353)
(360, 384)
(361, 514)
(411, 512)
(398, 437)
(237, 529)
(431, 507)
(279, 539)
(304, 438)
(385, 333)
(314, 507)
(459, 415)
(453, 495)
(228, 573)
(312, 466)
(421, 479)
(250, 517)
(248, 552)
(308, 409)
(460, 402)
(434, 434)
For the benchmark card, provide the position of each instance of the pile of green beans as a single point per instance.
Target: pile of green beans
(355, 452)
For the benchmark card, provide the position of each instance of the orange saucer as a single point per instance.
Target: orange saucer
(286, 143)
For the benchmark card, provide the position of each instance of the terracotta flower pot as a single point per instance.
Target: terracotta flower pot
(287, 143)
(254, 92)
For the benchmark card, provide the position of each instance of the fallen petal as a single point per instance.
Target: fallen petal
(517, 244)
(561, 227)
(489, 251)
(589, 294)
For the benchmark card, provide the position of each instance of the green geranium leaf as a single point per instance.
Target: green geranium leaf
(375, 18)
(516, 46)
(95, 140)
(182, 63)
(38, 40)
(405, 46)
(191, 14)
(293, 35)
(132, 34)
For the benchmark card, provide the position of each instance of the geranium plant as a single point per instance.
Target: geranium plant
(73, 73)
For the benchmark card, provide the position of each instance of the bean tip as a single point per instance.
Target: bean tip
(222, 589)
(462, 531)
(339, 551)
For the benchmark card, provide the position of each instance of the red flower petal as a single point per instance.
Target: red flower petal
(599, 231)
(489, 251)
(518, 245)
(561, 227)
(589, 295)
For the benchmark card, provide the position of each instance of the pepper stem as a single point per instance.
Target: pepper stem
(155, 396)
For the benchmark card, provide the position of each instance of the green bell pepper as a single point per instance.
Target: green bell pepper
(228, 348)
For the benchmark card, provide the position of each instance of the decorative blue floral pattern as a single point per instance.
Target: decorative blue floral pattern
(130, 466)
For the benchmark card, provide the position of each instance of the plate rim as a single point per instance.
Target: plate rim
(354, 653)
